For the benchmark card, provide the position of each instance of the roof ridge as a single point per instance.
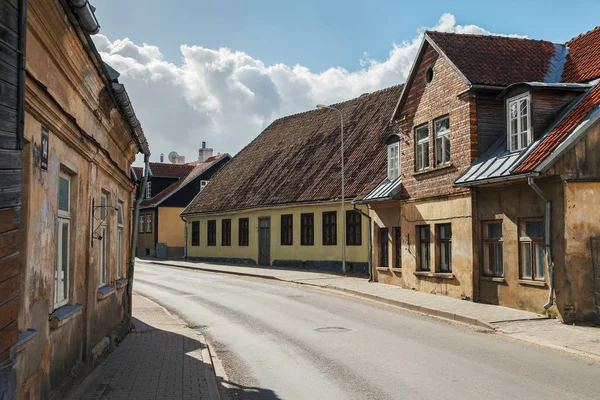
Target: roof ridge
(491, 35)
(581, 35)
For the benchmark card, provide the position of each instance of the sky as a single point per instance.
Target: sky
(220, 71)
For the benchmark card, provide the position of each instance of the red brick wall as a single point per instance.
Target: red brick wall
(446, 94)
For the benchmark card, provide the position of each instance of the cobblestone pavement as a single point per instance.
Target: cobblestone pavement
(161, 359)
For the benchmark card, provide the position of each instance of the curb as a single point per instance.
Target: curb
(412, 307)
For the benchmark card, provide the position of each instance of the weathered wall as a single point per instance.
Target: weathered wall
(146, 241)
(455, 210)
(280, 254)
(170, 226)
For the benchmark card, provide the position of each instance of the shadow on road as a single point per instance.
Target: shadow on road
(239, 392)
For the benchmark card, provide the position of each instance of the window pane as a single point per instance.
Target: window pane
(422, 133)
(539, 261)
(514, 142)
(534, 229)
(445, 232)
(444, 257)
(488, 259)
(442, 125)
(447, 148)
(526, 260)
(120, 215)
(494, 231)
(439, 150)
(513, 109)
(425, 155)
(63, 194)
(424, 256)
(524, 139)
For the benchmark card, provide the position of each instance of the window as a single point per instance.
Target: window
(531, 248)
(211, 234)
(203, 184)
(423, 236)
(243, 231)
(422, 144)
(493, 257)
(195, 233)
(307, 229)
(519, 122)
(442, 140)
(353, 228)
(148, 190)
(142, 224)
(226, 232)
(398, 247)
(429, 74)
(383, 248)
(120, 240)
(330, 228)
(393, 161)
(148, 223)
(61, 295)
(102, 275)
(287, 230)
(444, 247)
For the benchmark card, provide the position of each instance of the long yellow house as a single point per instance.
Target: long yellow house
(278, 201)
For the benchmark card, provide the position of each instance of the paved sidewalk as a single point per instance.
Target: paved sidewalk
(161, 359)
(522, 325)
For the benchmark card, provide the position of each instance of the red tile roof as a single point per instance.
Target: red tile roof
(560, 131)
(209, 159)
(138, 172)
(495, 60)
(167, 170)
(583, 60)
(296, 159)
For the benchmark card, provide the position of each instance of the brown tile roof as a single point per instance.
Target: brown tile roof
(138, 172)
(196, 170)
(560, 131)
(583, 60)
(209, 159)
(167, 170)
(495, 60)
(296, 159)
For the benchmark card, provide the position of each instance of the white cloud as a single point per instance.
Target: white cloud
(227, 97)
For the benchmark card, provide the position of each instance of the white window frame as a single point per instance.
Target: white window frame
(203, 184)
(148, 190)
(142, 224)
(422, 143)
(441, 138)
(149, 223)
(102, 248)
(393, 161)
(120, 240)
(520, 145)
(63, 218)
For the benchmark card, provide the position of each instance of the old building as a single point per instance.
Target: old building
(278, 201)
(170, 188)
(492, 183)
(66, 300)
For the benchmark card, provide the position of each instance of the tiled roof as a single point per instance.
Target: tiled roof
(138, 172)
(167, 170)
(583, 60)
(496, 60)
(209, 159)
(296, 159)
(551, 141)
(196, 170)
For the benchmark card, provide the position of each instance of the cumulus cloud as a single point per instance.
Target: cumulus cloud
(227, 97)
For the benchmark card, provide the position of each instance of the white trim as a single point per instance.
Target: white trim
(142, 224)
(509, 101)
(203, 184)
(149, 223)
(421, 142)
(392, 175)
(148, 189)
(444, 136)
(120, 214)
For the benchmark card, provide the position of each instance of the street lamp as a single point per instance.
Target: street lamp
(321, 107)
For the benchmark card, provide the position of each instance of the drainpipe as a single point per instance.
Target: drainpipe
(184, 238)
(136, 215)
(547, 239)
(368, 217)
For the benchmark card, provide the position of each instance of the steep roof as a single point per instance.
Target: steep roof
(495, 60)
(296, 159)
(167, 170)
(193, 173)
(583, 58)
(138, 171)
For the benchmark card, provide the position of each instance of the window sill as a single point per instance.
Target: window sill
(397, 270)
(122, 283)
(493, 279)
(383, 269)
(105, 291)
(25, 338)
(429, 274)
(430, 170)
(532, 283)
(63, 314)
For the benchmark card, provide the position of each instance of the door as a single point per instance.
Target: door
(264, 241)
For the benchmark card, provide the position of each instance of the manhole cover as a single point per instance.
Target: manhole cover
(199, 328)
(332, 329)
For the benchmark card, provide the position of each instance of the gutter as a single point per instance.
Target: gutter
(125, 104)
(134, 233)
(491, 180)
(85, 13)
(367, 216)
(547, 241)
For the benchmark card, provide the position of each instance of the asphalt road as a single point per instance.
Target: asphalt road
(285, 341)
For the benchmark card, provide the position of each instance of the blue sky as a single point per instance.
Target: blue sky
(221, 71)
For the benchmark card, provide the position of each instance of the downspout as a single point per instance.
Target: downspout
(547, 239)
(134, 233)
(184, 238)
(370, 259)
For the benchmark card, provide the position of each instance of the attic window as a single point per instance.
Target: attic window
(393, 143)
(429, 74)
(518, 122)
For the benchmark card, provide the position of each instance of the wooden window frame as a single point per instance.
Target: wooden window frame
(195, 233)
(63, 219)
(440, 243)
(211, 232)
(226, 232)
(529, 136)
(423, 146)
(353, 228)
(397, 247)
(490, 246)
(441, 138)
(307, 229)
(533, 242)
(243, 231)
(287, 229)
(427, 244)
(329, 228)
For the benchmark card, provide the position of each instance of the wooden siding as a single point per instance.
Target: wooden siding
(582, 162)
(547, 105)
(490, 119)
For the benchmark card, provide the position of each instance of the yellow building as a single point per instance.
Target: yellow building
(278, 201)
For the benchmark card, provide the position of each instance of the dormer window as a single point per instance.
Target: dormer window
(519, 122)
(393, 157)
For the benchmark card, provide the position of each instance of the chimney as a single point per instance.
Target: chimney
(204, 153)
(162, 157)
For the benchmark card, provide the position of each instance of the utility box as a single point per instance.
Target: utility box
(161, 250)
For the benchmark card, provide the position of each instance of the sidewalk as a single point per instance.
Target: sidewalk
(161, 359)
(522, 325)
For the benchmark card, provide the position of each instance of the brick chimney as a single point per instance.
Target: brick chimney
(204, 153)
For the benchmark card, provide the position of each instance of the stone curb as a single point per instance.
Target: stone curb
(412, 307)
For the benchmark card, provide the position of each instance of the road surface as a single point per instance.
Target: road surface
(285, 341)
